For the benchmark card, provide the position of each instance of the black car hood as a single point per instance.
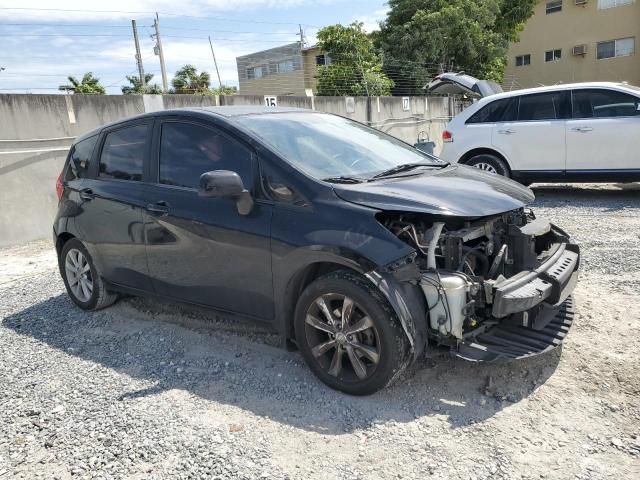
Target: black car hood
(455, 190)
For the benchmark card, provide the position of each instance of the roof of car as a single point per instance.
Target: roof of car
(553, 88)
(228, 111)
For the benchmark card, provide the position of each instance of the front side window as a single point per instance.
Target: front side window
(553, 55)
(553, 7)
(505, 110)
(522, 60)
(598, 103)
(80, 156)
(543, 106)
(188, 150)
(616, 48)
(328, 146)
(122, 154)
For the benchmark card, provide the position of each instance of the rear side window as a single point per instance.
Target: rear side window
(504, 110)
(79, 158)
(544, 106)
(122, 156)
(188, 150)
(604, 104)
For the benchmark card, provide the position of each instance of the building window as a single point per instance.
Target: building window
(523, 60)
(622, 47)
(553, 7)
(321, 60)
(255, 72)
(604, 4)
(553, 55)
(285, 66)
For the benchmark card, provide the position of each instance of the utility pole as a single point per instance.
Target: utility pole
(138, 56)
(214, 62)
(156, 24)
(303, 41)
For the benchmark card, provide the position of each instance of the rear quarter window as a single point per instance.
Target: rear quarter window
(80, 157)
(504, 110)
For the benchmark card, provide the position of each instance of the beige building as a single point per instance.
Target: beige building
(577, 41)
(286, 70)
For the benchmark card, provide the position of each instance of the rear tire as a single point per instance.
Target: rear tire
(81, 278)
(489, 163)
(356, 344)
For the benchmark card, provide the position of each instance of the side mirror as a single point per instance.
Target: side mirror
(226, 184)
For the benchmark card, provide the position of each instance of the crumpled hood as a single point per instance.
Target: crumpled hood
(456, 190)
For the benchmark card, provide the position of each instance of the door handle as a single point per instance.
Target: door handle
(160, 207)
(582, 129)
(87, 194)
(506, 131)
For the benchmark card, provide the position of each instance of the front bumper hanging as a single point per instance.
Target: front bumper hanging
(534, 309)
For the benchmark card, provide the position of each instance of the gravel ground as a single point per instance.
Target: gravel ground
(144, 390)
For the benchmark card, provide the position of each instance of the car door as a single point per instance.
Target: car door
(110, 217)
(535, 141)
(602, 134)
(201, 249)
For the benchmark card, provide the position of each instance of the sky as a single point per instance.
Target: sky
(43, 42)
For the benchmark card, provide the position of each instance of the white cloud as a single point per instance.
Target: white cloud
(372, 21)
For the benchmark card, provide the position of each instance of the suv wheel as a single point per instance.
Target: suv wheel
(82, 280)
(489, 163)
(349, 335)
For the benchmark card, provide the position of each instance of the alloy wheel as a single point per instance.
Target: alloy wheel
(78, 272)
(486, 167)
(342, 337)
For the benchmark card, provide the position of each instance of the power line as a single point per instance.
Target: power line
(227, 19)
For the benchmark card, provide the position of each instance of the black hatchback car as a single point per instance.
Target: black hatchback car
(361, 251)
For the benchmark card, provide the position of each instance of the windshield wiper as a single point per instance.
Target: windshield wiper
(343, 180)
(407, 167)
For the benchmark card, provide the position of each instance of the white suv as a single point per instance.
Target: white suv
(576, 132)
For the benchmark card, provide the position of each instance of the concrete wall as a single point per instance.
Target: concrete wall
(37, 130)
(584, 24)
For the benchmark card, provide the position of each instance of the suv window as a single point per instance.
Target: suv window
(604, 103)
(543, 106)
(504, 110)
(188, 150)
(79, 158)
(122, 154)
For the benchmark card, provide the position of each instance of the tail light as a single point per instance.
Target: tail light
(447, 136)
(59, 187)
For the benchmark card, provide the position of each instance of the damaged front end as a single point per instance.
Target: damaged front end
(497, 287)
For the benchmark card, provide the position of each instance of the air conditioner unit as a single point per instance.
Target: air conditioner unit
(579, 49)
(581, 2)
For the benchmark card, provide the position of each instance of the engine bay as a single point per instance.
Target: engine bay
(462, 263)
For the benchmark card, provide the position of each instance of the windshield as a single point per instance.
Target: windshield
(328, 146)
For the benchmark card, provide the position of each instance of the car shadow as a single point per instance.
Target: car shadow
(621, 195)
(164, 348)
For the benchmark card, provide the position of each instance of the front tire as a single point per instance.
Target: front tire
(489, 163)
(349, 335)
(81, 278)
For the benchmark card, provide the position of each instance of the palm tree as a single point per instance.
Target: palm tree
(137, 87)
(88, 85)
(188, 80)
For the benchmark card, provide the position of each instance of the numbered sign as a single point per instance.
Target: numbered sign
(270, 101)
(406, 105)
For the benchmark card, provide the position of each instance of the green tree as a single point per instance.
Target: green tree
(355, 68)
(136, 86)
(88, 85)
(188, 80)
(224, 90)
(423, 37)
